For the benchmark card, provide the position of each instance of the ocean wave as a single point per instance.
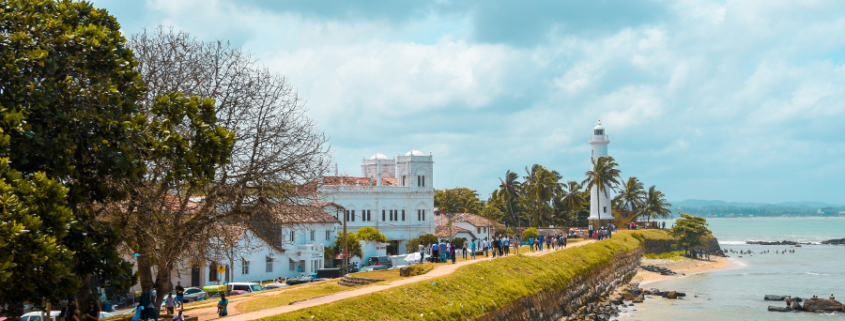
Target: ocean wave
(731, 242)
(813, 273)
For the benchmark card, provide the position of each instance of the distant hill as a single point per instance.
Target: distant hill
(702, 203)
(740, 209)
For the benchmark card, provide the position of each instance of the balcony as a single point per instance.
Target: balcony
(594, 138)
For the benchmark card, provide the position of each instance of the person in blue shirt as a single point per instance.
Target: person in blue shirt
(540, 244)
(222, 305)
(434, 252)
(472, 249)
(443, 250)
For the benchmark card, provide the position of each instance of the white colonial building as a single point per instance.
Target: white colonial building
(394, 195)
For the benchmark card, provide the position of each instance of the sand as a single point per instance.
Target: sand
(686, 266)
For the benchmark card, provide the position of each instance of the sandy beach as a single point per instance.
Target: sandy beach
(685, 266)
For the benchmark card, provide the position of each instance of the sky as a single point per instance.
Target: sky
(715, 100)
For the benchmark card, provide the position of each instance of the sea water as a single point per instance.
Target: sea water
(737, 294)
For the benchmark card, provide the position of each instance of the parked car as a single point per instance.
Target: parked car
(301, 279)
(275, 286)
(194, 294)
(36, 316)
(246, 287)
(377, 263)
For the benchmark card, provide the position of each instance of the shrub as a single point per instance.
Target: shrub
(530, 233)
(413, 244)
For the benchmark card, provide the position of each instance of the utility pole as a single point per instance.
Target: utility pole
(345, 247)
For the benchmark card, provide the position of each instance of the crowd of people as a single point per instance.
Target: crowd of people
(498, 246)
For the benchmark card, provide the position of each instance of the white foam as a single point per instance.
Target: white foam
(731, 242)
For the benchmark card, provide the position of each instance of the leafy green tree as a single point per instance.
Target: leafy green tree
(370, 234)
(69, 92)
(352, 244)
(690, 232)
(458, 200)
(569, 201)
(509, 232)
(529, 233)
(604, 176)
(541, 185)
(413, 244)
(631, 195)
(493, 209)
(655, 205)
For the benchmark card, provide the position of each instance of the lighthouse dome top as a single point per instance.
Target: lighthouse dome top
(414, 152)
(599, 129)
(598, 126)
(379, 155)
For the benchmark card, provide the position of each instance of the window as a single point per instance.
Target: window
(403, 215)
(382, 216)
(419, 181)
(292, 264)
(403, 180)
(347, 216)
(269, 263)
(245, 267)
(423, 211)
(292, 236)
(419, 215)
(369, 215)
(423, 180)
(212, 272)
(328, 235)
(312, 235)
(479, 230)
(604, 209)
(353, 215)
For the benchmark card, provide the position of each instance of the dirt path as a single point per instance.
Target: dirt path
(439, 271)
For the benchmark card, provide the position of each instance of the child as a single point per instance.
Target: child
(222, 304)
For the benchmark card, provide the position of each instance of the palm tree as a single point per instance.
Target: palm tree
(604, 176)
(631, 195)
(541, 185)
(655, 205)
(571, 198)
(509, 190)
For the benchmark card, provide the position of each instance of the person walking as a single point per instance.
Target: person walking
(421, 248)
(486, 246)
(464, 251)
(452, 252)
(222, 305)
(494, 244)
(507, 246)
(444, 252)
(472, 247)
(168, 303)
(434, 255)
(180, 295)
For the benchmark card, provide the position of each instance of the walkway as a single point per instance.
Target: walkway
(434, 273)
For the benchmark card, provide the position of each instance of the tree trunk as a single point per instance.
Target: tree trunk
(164, 283)
(84, 294)
(145, 273)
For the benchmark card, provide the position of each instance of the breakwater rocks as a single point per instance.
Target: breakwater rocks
(657, 269)
(664, 246)
(811, 305)
(835, 242)
(586, 292)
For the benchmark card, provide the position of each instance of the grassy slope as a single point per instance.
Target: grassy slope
(476, 288)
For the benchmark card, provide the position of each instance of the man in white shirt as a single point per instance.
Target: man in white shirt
(179, 317)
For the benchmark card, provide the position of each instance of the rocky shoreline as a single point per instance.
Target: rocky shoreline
(609, 307)
(811, 305)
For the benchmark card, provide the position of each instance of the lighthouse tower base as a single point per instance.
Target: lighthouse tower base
(596, 223)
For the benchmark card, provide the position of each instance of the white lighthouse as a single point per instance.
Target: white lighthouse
(599, 142)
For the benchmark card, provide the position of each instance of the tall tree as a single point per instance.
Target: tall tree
(275, 160)
(458, 200)
(571, 200)
(541, 185)
(655, 205)
(69, 106)
(604, 177)
(509, 190)
(690, 232)
(631, 195)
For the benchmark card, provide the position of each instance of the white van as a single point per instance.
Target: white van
(247, 287)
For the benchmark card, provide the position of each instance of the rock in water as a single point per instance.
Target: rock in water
(779, 309)
(637, 300)
(822, 305)
(672, 295)
(835, 242)
(772, 297)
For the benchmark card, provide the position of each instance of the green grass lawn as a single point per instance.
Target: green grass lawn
(474, 289)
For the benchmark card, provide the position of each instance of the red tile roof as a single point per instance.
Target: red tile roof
(449, 231)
